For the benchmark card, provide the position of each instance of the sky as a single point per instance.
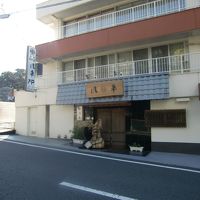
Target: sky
(18, 31)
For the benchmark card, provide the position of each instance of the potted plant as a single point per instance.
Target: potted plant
(77, 135)
(136, 149)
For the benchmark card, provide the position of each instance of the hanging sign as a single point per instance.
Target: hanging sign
(30, 68)
(105, 89)
(79, 113)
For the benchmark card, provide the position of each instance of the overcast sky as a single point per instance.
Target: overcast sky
(18, 31)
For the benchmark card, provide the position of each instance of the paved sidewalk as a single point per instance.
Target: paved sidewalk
(172, 159)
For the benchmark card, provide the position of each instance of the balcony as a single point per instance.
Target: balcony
(129, 15)
(178, 64)
(121, 36)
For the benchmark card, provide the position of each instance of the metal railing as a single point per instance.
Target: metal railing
(170, 64)
(132, 14)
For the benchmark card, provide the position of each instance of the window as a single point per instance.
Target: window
(90, 62)
(68, 66)
(101, 60)
(39, 69)
(160, 62)
(79, 70)
(70, 28)
(177, 61)
(176, 49)
(101, 63)
(111, 59)
(141, 58)
(68, 74)
(90, 69)
(165, 118)
(125, 68)
(124, 57)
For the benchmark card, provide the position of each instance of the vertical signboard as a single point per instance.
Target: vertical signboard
(79, 111)
(30, 68)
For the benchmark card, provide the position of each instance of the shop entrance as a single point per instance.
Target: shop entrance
(123, 124)
(113, 126)
(136, 131)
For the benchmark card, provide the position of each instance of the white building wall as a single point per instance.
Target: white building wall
(184, 85)
(61, 120)
(30, 121)
(31, 108)
(194, 43)
(191, 134)
(21, 123)
(36, 121)
(7, 112)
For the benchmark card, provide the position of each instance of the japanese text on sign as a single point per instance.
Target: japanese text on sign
(105, 89)
(30, 68)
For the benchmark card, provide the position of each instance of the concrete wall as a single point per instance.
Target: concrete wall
(7, 112)
(191, 134)
(184, 85)
(31, 121)
(61, 120)
(36, 121)
(40, 97)
(21, 124)
(194, 43)
(31, 108)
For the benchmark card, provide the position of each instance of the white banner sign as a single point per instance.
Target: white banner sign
(79, 111)
(30, 68)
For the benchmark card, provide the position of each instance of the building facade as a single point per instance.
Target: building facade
(133, 64)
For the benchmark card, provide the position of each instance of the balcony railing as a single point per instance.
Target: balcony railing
(171, 64)
(132, 14)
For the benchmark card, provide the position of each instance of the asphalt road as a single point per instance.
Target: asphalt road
(30, 173)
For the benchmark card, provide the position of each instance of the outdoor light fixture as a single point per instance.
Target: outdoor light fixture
(4, 16)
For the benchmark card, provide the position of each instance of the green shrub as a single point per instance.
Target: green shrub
(78, 133)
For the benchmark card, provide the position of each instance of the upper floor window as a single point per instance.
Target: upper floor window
(79, 64)
(39, 69)
(68, 66)
(124, 57)
(176, 49)
(101, 60)
(141, 58)
(162, 58)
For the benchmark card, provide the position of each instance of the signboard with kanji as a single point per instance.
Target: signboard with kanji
(105, 89)
(79, 113)
(30, 68)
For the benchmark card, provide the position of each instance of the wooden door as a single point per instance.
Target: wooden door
(105, 115)
(113, 126)
(118, 128)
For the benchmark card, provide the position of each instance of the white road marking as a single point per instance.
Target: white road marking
(94, 191)
(104, 157)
